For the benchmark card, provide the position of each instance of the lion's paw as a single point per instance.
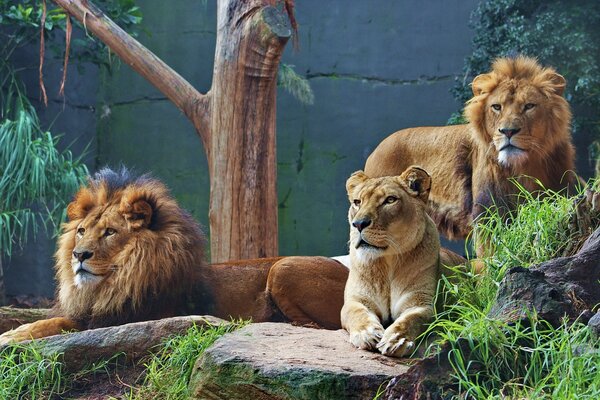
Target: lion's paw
(395, 345)
(367, 338)
(16, 335)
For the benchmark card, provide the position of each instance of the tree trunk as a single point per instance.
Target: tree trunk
(242, 159)
(235, 120)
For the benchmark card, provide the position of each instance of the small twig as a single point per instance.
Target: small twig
(42, 50)
(61, 92)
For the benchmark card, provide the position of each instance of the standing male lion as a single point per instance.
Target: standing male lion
(519, 128)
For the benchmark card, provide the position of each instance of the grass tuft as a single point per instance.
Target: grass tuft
(168, 371)
(26, 373)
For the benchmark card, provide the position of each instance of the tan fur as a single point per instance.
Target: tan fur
(394, 252)
(469, 171)
(144, 250)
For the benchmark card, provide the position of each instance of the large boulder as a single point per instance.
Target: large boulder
(281, 361)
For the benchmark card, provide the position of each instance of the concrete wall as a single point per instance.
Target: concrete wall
(375, 67)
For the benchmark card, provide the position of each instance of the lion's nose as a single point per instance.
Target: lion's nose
(82, 256)
(509, 132)
(361, 224)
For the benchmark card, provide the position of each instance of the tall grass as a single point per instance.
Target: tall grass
(27, 374)
(168, 372)
(532, 359)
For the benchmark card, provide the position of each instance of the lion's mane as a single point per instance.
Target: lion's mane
(151, 276)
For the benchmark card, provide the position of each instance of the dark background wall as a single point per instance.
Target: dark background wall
(374, 66)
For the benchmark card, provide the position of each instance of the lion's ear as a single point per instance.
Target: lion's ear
(136, 210)
(81, 205)
(555, 81)
(355, 179)
(479, 83)
(417, 182)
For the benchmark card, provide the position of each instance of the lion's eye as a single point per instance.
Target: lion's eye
(390, 199)
(529, 106)
(356, 202)
(81, 231)
(109, 232)
(496, 107)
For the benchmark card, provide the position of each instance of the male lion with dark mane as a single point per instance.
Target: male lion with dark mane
(126, 254)
(129, 253)
(519, 128)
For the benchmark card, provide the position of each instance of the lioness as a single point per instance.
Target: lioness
(519, 127)
(395, 258)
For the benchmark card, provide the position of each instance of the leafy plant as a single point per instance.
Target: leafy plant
(37, 179)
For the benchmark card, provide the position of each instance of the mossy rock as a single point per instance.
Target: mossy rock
(280, 361)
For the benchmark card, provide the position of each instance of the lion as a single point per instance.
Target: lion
(130, 253)
(126, 254)
(518, 132)
(395, 258)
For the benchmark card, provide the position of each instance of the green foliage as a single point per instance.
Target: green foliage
(537, 232)
(491, 359)
(36, 179)
(22, 18)
(168, 372)
(560, 33)
(296, 85)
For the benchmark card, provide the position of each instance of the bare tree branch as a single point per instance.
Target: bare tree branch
(143, 61)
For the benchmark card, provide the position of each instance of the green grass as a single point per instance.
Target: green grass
(26, 373)
(168, 371)
(491, 359)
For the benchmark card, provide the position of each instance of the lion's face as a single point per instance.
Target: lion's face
(99, 238)
(514, 119)
(387, 214)
(518, 108)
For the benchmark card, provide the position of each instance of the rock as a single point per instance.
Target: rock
(523, 291)
(429, 378)
(133, 341)
(566, 286)
(280, 361)
(594, 325)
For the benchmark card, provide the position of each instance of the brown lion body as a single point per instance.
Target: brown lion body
(129, 253)
(395, 258)
(519, 128)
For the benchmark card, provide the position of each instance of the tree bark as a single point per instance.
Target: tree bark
(235, 120)
(242, 160)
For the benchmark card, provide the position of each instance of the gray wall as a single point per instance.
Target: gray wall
(375, 67)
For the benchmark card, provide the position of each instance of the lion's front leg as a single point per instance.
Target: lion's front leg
(38, 329)
(362, 324)
(399, 338)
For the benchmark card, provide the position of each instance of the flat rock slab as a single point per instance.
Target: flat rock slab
(131, 341)
(281, 361)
